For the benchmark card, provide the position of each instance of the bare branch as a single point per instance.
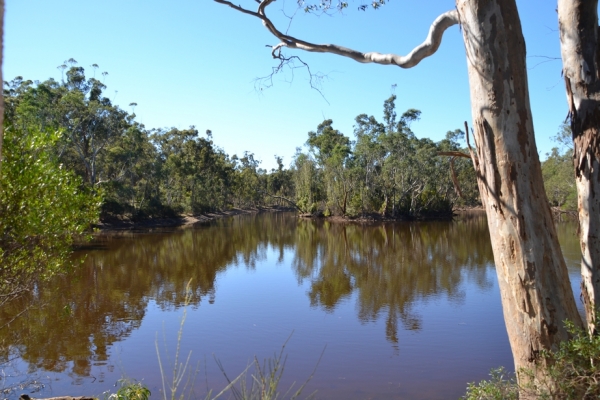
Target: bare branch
(238, 8)
(545, 59)
(425, 49)
(314, 79)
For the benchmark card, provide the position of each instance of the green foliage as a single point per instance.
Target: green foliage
(43, 207)
(165, 172)
(195, 176)
(307, 181)
(559, 180)
(501, 386)
(387, 170)
(557, 170)
(572, 372)
(130, 390)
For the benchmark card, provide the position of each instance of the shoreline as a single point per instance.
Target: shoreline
(182, 221)
(187, 220)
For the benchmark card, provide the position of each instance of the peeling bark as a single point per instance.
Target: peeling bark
(580, 50)
(533, 278)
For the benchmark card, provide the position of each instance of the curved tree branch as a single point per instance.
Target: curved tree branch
(425, 49)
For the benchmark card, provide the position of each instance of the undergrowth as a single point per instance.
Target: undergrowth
(573, 373)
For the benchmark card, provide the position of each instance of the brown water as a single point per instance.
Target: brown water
(399, 311)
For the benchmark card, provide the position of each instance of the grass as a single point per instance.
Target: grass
(181, 383)
(263, 382)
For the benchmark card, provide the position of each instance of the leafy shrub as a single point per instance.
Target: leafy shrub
(573, 373)
(501, 386)
(130, 390)
(42, 208)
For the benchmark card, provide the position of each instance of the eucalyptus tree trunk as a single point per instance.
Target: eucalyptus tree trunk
(578, 24)
(532, 275)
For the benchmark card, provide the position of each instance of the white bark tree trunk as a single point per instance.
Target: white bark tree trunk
(578, 24)
(534, 284)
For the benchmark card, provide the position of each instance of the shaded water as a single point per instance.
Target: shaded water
(399, 311)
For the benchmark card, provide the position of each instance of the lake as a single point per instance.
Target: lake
(407, 310)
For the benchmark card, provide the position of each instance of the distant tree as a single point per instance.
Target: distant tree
(195, 175)
(332, 150)
(308, 182)
(557, 169)
(90, 122)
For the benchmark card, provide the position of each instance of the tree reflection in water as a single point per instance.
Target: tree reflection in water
(71, 322)
(391, 265)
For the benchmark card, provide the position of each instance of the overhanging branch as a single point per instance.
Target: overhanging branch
(425, 49)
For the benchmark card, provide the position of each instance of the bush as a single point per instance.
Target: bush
(43, 208)
(502, 386)
(573, 373)
(130, 390)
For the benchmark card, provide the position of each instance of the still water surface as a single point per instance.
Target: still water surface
(397, 310)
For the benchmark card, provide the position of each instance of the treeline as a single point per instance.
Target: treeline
(386, 170)
(139, 172)
(142, 172)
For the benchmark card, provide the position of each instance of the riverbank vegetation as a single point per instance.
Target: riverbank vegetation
(141, 172)
(159, 172)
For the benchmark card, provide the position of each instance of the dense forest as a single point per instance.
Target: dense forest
(142, 172)
(139, 172)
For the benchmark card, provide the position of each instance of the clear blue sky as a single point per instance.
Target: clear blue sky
(193, 62)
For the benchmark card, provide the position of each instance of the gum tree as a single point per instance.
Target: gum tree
(578, 25)
(533, 279)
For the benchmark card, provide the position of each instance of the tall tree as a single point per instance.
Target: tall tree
(580, 49)
(536, 295)
(332, 151)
